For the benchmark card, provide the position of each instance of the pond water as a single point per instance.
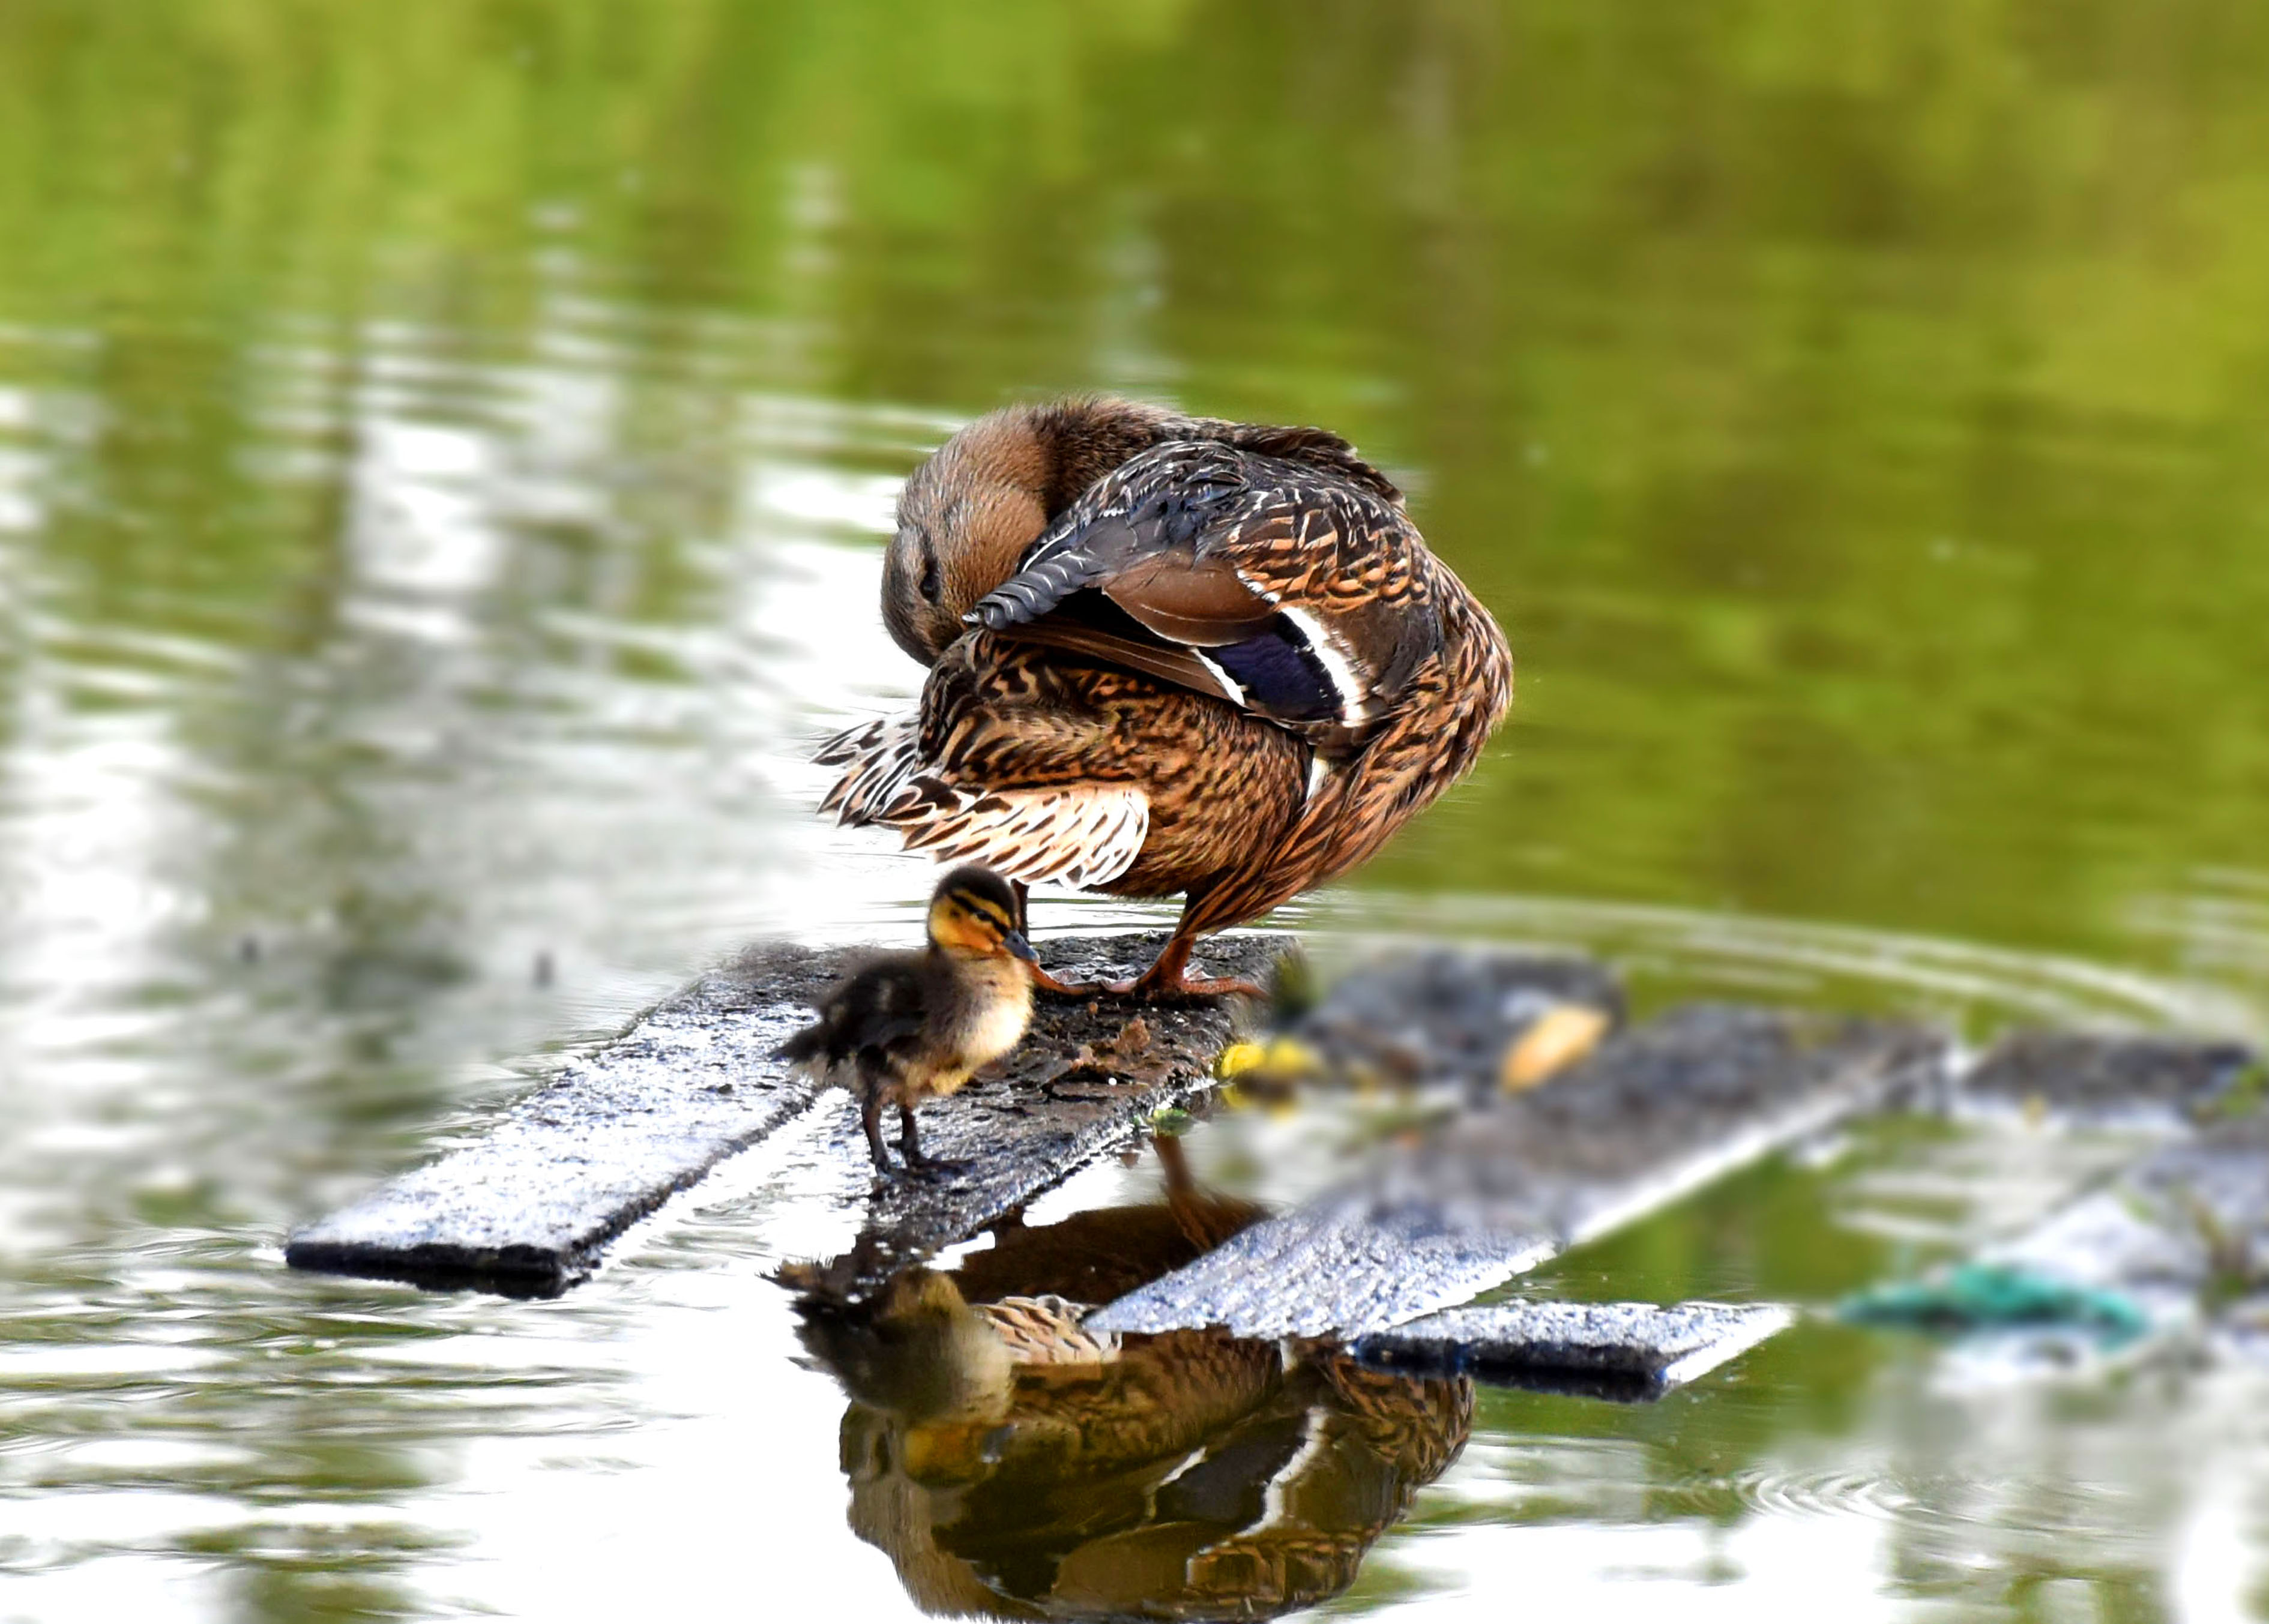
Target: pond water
(444, 454)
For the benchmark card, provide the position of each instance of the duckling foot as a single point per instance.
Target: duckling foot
(929, 1169)
(870, 1120)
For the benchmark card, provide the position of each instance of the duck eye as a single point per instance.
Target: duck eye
(930, 584)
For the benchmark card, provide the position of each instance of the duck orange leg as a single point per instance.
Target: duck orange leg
(1167, 981)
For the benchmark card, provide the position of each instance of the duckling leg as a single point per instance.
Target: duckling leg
(870, 1117)
(910, 1147)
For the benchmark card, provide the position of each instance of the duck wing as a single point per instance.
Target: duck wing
(1287, 585)
(1011, 762)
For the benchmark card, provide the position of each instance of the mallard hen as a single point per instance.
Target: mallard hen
(1168, 653)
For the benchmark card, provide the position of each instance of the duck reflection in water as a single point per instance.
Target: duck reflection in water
(1012, 1463)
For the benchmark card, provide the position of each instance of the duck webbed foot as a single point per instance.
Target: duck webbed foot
(1168, 981)
(1044, 982)
(1181, 988)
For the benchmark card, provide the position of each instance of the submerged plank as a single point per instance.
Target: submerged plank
(1655, 1113)
(530, 1207)
(2176, 1246)
(1617, 1350)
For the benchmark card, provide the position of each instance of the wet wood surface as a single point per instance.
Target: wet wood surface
(1656, 1113)
(529, 1208)
(530, 1205)
(1629, 1351)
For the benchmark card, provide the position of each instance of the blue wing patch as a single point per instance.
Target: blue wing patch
(1280, 673)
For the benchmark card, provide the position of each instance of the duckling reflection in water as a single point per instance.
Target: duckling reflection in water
(1012, 1463)
(908, 1027)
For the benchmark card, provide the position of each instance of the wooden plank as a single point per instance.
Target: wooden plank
(2111, 1077)
(530, 1209)
(1655, 1113)
(1631, 1351)
(1426, 1015)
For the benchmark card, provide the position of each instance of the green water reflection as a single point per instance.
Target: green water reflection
(1853, 416)
(442, 450)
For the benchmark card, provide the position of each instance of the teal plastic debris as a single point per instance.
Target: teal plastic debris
(1986, 1296)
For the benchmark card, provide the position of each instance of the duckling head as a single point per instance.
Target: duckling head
(973, 915)
(917, 1350)
(967, 514)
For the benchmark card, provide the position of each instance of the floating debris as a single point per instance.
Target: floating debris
(1556, 1040)
(2177, 1244)
(1988, 1296)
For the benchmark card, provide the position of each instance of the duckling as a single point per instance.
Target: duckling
(908, 1027)
(1167, 654)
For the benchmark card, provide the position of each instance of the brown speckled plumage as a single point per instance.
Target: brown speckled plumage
(1015, 1463)
(1168, 654)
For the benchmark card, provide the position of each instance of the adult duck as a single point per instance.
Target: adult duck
(1167, 654)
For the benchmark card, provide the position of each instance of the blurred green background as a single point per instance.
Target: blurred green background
(1854, 413)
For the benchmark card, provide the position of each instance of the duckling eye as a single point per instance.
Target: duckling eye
(930, 584)
(982, 912)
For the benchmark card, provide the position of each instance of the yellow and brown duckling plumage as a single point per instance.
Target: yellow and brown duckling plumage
(1167, 654)
(908, 1027)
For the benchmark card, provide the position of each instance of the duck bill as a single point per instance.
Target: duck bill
(1018, 947)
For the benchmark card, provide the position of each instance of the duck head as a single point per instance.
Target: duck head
(967, 514)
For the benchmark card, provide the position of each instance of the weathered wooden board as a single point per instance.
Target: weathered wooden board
(1655, 1113)
(530, 1207)
(1085, 1083)
(1617, 1350)
(2110, 1076)
(1446, 1015)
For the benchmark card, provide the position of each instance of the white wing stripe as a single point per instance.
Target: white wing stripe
(1355, 698)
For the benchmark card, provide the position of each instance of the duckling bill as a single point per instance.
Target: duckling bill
(908, 1027)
